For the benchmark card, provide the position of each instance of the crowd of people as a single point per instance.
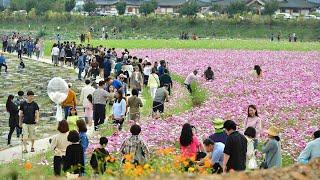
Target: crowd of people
(108, 80)
(23, 45)
(291, 37)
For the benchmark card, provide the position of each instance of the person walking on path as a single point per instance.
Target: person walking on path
(12, 109)
(55, 54)
(136, 80)
(153, 82)
(166, 79)
(19, 100)
(272, 149)
(69, 102)
(161, 96)
(190, 78)
(312, 150)
(28, 118)
(235, 150)
(85, 92)
(119, 109)
(107, 67)
(100, 97)
(134, 103)
(81, 65)
(3, 63)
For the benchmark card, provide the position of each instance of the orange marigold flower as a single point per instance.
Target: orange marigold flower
(27, 166)
(128, 157)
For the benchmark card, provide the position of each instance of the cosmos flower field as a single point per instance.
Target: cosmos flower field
(287, 96)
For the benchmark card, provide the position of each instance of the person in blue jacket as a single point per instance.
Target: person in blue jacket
(312, 150)
(107, 66)
(3, 62)
(81, 65)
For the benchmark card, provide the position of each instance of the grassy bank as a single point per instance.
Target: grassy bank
(253, 44)
(160, 27)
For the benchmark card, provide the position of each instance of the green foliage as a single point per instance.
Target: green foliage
(69, 5)
(190, 8)
(236, 7)
(1, 8)
(43, 6)
(217, 8)
(17, 5)
(121, 7)
(30, 4)
(90, 6)
(270, 7)
(148, 7)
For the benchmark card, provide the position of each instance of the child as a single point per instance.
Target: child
(72, 119)
(21, 66)
(88, 111)
(74, 162)
(250, 134)
(59, 144)
(135, 146)
(98, 160)
(82, 129)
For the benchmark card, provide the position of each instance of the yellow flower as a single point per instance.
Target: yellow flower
(191, 169)
(108, 158)
(146, 166)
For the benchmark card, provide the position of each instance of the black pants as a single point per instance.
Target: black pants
(6, 67)
(57, 165)
(10, 134)
(19, 131)
(99, 114)
(157, 106)
(189, 88)
(19, 54)
(106, 74)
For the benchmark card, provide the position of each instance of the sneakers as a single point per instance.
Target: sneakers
(24, 151)
(32, 149)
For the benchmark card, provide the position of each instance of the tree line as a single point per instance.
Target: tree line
(190, 8)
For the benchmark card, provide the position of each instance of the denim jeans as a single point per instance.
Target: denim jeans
(66, 112)
(80, 72)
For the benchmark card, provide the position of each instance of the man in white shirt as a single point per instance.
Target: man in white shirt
(190, 78)
(85, 91)
(55, 54)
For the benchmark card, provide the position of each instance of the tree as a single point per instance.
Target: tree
(69, 5)
(217, 8)
(89, 6)
(148, 7)
(1, 8)
(43, 6)
(190, 8)
(30, 4)
(121, 7)
(17, 5)
(270, 7)
(236, 7)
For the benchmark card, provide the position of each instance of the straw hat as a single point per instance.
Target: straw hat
(218, 123)
(273, 131)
